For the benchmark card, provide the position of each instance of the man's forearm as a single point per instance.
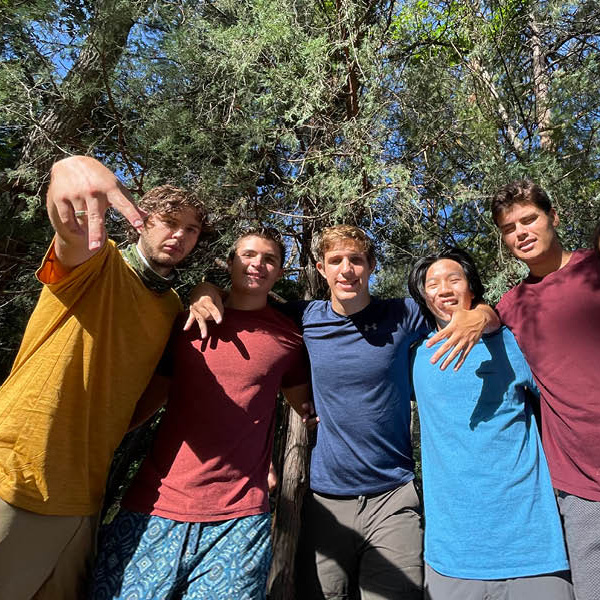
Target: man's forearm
(492, 320)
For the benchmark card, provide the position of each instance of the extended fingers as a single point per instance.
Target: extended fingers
(96, 204)
(189, 321)
(438, 337)
(202, 313)
(463, 355)
(66, 214)
(96, 207)
(120, 198)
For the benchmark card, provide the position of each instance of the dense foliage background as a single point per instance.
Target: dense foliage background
(400, 116)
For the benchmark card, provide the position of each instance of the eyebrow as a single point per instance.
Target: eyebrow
(451, 274)
(353, 255)
(270, 254)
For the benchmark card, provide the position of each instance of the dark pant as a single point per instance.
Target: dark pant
(550, 586)
(368, 547)
(581, 521)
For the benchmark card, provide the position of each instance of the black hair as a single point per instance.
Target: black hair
(416, 279)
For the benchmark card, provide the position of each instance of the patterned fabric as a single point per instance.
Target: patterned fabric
(152, 280)
(144, 557)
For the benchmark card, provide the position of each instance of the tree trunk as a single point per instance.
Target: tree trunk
(540, 87)
(286, 520)
(58, 130)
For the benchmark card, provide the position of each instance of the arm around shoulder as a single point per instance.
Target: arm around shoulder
(206, 304)
(462, 333)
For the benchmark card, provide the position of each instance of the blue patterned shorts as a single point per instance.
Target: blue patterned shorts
(144, 557)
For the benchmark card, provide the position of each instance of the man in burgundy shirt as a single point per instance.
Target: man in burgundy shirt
(195, 522)
(555, 316)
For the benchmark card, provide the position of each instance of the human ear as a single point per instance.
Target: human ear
(321, 269)
(372, 265)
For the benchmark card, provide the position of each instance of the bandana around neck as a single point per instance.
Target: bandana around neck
(152, 280)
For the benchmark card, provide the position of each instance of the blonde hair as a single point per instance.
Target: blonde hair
(330, 236)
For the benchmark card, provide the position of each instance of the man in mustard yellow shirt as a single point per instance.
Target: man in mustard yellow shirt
(89, 350)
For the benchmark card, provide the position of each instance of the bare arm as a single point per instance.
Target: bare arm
(80, 191)
(462, 333)
(300, 399)
(206, 304)
(155, 395)
(272, 478)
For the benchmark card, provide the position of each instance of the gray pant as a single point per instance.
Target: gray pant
(552, 586)
(367, 547)
(581, 521)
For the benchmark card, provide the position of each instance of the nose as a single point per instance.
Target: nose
(445, 287)
(520, 230)
(179, 232)
(346, 265)
(257, 261)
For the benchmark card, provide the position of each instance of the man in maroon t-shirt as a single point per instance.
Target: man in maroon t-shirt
(555, 316)
(195, 522)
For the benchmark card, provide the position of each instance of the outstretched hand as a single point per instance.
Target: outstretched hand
(460, 335)
(80, 191)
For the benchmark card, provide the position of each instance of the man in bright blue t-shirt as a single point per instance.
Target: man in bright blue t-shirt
(492, 523)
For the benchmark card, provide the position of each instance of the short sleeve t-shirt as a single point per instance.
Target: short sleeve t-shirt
(89, 350)
(489, 504)
(211, 455)
(556, 321)
(361, 388)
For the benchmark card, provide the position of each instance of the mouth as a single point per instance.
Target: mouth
(526, 245)
(346, 285)
(172, 249)
(448, 305)
(449, 302)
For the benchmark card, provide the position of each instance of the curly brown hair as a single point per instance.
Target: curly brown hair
(168, 199)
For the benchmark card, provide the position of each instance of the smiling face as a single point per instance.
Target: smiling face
(529, 232)
(254, 267)
(446, 290)
(347, 270)
(168, 238)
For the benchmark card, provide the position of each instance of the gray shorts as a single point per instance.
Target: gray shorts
(551, 586)
(367, 547)
(581, 521)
